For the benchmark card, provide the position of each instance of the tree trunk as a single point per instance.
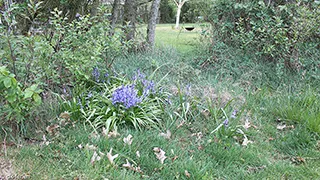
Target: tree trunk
(130, 10)
(178, 16)
(94, 9)
(115, 15)
(152, 23)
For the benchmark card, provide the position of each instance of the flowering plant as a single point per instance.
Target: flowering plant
(127, 95)
(113, 101)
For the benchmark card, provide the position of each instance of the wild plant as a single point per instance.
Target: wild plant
(112, 102)
(17, 102)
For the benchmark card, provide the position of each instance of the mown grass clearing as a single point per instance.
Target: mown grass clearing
(180, 39)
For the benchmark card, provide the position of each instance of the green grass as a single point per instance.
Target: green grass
(232, 81)
(182, 40)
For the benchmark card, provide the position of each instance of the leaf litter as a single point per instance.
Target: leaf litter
(160, 154)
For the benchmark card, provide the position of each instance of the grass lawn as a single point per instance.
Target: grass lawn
(182, 40)
(273, 134)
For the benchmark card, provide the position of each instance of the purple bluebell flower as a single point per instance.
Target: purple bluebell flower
(148, 87)
(90, 95)
(96, 74)
(78, 15)
(139, 76)
(168, 100)
(234, 114)
(106, 75)
(226, 122)
(79, 103)
(126, 95)
(188, 90)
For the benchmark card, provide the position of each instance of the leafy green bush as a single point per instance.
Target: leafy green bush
(17, 102)
(111, 101)
(273, 31)
(63, 53)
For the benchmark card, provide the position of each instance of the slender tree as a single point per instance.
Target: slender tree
(154, 13)
(94, 9)
(115, 15)
(130, 13)
(179, 4)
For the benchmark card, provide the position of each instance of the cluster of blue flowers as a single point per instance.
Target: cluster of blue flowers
(233, 116)
(96, 74)
(148, 86)
(127, 95)
(132, 95)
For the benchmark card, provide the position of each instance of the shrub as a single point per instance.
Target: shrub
(273, 31)
(17, 102)
(64, 53)
(111, 101)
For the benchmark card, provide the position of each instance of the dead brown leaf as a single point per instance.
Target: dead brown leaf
(65, 115)
(95, 157)
(255, 169)
(166, 135)
(128, 139)
(246, 141)
(187, 173)
(131, 167)
(113, 134)
(174, 158)
(94, 135)
(247, 124)
(181, 124)
(138, 154)
(298, 160)
(111, 157)
(199, 135)
(270, 139)
(205, 113)
(52, 130)
(90, 147)
(281, 126)
(160, 154)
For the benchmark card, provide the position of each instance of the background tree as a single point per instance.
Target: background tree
(129, 19)
(179, 4)
(167, 11)
(154, 12)
(94, 8)
(115, 14)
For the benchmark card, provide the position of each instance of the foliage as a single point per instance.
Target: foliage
(167, 11)
(242, 147)
(113, 101)
(272, 31)
(63, 53)
(56, 58)
(17, 101)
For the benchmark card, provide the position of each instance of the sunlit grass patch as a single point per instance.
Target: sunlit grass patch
(182, 40)
(302, 107)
